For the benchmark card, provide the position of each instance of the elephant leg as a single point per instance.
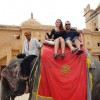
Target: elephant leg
(99, 97)
(5, 90)
(13, 97)
(5, 97)
(8, 98)
(96, 93)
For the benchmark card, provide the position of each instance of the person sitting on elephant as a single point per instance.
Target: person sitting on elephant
(72, 37)
(30, 50)
(58, 35)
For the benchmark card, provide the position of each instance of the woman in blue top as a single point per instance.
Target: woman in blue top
(59, 36)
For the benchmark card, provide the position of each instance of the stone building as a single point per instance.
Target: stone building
(92, 18)
(12, 37)
(91, 41)
(91, 34)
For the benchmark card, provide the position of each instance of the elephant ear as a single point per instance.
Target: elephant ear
(11, 73)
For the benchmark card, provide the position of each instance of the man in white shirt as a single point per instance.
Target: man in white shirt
(31, 45)
(30, 50)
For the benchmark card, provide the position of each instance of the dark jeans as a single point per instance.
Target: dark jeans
(26, 65)
(21, 55)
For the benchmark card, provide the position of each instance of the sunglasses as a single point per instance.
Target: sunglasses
(67, 24)
(27, 35)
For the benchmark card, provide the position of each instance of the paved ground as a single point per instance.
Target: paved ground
(23, 97)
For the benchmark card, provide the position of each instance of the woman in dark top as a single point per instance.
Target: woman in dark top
(59, 36)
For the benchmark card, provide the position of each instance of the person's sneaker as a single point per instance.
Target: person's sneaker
(56, 55)
(62, 55)
(79, 52)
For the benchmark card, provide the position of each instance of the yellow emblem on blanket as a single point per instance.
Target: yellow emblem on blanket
(65, 68)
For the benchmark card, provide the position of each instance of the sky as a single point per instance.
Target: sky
(14, 12)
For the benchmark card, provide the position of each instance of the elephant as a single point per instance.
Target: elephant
(7, 92)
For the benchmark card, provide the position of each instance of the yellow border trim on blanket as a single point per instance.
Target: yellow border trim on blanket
(36, 93)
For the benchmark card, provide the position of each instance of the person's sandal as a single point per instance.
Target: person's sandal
(62, 55)
(74, 50)
(56, 55)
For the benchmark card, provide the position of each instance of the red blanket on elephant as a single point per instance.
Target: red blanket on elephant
(62, 79)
